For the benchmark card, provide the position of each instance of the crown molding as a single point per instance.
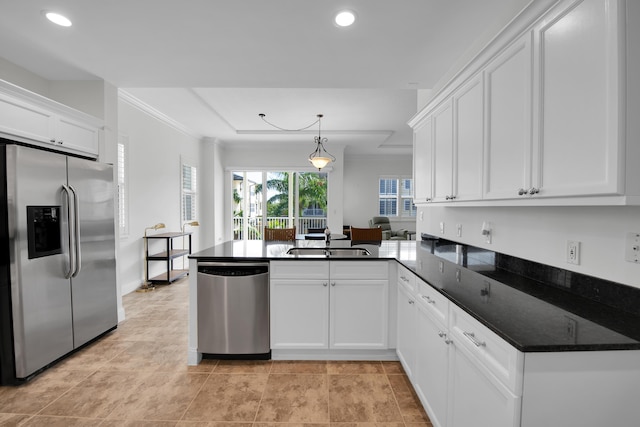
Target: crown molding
(125, 96)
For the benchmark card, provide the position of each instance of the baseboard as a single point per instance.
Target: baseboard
(130, 287)
(373, 355)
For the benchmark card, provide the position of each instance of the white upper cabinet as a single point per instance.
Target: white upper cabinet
(20, 118)
(468, 104)
(578, 131)
(33, 119)
(558, 97)
(422, 161)
(508, 148)
(443, 152)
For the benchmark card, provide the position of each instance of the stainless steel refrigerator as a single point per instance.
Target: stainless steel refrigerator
(57, 257)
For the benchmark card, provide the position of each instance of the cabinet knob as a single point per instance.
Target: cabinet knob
(522, 192)
(324, 284)
(52, 141)
(333, 283)
(411, 301)
(428, 199)
(60, 142)
(533, 191)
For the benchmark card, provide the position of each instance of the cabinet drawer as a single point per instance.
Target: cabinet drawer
(499, 357)
(299, 270)
(406, 278)
(436, 303)
(359, 270)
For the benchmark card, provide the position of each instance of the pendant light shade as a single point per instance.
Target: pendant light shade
(320, 157)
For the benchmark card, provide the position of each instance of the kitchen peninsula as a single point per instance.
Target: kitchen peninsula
(476, 339)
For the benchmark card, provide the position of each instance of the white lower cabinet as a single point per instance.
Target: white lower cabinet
(476, 397)
(468, 376)
(338, 305)
(406, 337)
(299, 314)
(432, 362)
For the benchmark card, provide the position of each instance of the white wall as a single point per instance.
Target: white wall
(155, 150)
(361, 187)
(212, 194)
(24, 78)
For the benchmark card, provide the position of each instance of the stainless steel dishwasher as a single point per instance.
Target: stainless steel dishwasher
(233, 310)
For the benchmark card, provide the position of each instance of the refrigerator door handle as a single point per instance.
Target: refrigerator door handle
(66, 190)
(76, 228)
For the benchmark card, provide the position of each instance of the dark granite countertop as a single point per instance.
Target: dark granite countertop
(531, 315)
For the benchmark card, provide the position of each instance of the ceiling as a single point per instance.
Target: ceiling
(214, 65)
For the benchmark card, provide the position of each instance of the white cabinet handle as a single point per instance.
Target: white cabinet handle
(429, 300)
(474, 340)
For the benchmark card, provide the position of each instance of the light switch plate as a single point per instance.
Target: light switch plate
(442, 228)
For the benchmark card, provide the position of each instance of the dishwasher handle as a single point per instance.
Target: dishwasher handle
(236, 269)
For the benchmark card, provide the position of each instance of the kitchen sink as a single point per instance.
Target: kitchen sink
(335, 252)
(307, 251)
(349, 252)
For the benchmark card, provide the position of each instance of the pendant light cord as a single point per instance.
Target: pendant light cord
(262, 116)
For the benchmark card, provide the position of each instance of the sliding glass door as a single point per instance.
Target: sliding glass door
(277, 199)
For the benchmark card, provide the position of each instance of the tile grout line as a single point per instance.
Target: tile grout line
(264, 390)
(195, 395)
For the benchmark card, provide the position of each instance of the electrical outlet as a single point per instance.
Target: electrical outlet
(459, 230)
(632, 248)
(573, 252)
(442, 228)
(571, 329)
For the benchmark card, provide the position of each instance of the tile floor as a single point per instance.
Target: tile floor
(138, 376)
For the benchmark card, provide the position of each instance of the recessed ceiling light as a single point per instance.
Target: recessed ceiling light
(345, 18)
(58, 19)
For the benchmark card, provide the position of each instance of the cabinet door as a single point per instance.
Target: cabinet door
(75, 135)
(422, 161)
(432, 363)
(443, 152)
(22, 119)
(508, 121)
(406, 339)
(299, 314)
(580, 106)
(468, 149)
(358, 314)
(476, 397)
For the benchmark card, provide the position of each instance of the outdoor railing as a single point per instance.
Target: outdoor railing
(254, 225)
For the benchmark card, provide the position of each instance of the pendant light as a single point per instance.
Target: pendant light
(320, 157)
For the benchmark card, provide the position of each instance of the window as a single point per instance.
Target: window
(277, 199)
(123, 177)
(394, 193)
(189, 193)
